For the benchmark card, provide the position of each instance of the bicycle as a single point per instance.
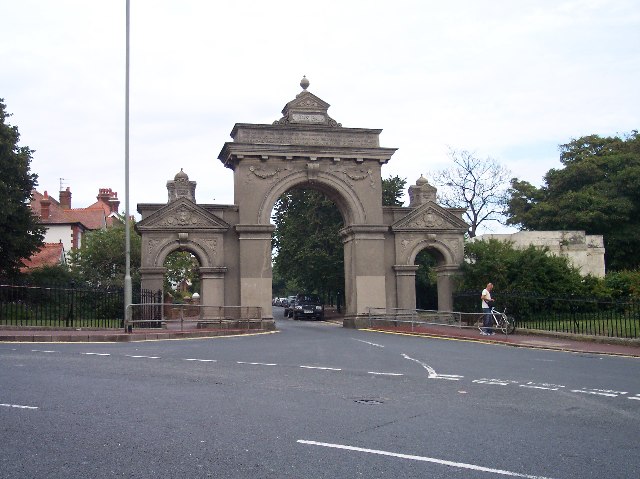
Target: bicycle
(501, 321)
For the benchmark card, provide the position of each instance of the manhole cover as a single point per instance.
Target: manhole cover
(368, 401)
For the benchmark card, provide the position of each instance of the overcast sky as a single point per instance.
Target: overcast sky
(507, 79)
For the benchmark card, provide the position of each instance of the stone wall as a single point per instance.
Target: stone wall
(585, 252)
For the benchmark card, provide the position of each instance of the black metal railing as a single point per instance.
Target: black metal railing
(64, 306)
(617, 319)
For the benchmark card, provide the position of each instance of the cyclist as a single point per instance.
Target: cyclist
(487, 319)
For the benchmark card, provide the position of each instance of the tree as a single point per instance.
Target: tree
(479, 185)
(531, 270)
(597, 191)
(22, 235)
(308, 249)
(181, 266)
(392, 190)
(100, 261)
(307, 241)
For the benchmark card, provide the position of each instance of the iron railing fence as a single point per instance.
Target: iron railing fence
(192, 316)
(64, 306)
(617, 319)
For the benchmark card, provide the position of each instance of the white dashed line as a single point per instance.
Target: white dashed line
(636, 397)
(96, 354)
(42, 351)
(320, 367)
(19, 406)
(385, 374)
(442, 462)
(599, 392)
(202, 360)
(495, 382)
(257, 364)
(142, 357)
(367, 342)
(550, 387)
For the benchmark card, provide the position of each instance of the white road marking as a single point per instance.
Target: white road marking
(636, 397)
(202, 360)
(449, 377)
(257, 364)
(495, 382)
(42, 351)
(367, 342)
(550, 387)
(388, 374)
(323, 368)
(97, 354)
(599, 392)
(442, 462)
(145, 357)
(19, 406)
(430, 370)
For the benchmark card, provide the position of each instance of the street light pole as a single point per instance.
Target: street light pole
(127, 235)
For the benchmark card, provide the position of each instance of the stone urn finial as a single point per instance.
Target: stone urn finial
(304, 83)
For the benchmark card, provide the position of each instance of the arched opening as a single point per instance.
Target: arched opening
(427, 279)
(307, 250)
(182, 277)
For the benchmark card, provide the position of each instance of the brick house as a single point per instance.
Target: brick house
(66, 226)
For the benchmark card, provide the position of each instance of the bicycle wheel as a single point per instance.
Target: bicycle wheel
(511, 324)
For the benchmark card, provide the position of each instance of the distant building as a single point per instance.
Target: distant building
(51, 254)
(66, 226)
(584, 252)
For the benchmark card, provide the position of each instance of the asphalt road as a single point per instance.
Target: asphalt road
(314, 400)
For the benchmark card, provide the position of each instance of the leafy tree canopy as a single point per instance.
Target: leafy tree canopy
(393, 190)
(182, 266)
(597, 191)
(22, 235)
(531, 270)
(100, 261)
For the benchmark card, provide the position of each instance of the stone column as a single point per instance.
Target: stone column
(152, 278)
(255, 266)
(212, 286)
(364, 268)
(406, 285)
(446, 276)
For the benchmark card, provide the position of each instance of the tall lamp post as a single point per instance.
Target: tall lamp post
(127, 234)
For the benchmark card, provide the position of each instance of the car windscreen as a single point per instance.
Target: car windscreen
(309, 298)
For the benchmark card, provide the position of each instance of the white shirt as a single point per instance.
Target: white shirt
(485, 295)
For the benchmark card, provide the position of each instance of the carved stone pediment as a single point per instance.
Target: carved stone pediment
(307, 109)
(430, 217)
(182, 215)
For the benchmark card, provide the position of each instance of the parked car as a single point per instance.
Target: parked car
(288, 306)
(308, 306)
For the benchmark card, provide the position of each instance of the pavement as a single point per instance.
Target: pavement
(521, 338)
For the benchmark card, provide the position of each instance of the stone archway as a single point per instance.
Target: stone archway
(304, 147)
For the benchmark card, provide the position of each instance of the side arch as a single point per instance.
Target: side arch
(194, 248)
(446, 254)
(346, 200)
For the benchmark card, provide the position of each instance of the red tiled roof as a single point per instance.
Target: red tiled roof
(90, 218)
(50, 254)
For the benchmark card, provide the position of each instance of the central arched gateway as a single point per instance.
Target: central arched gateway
(306, 147)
